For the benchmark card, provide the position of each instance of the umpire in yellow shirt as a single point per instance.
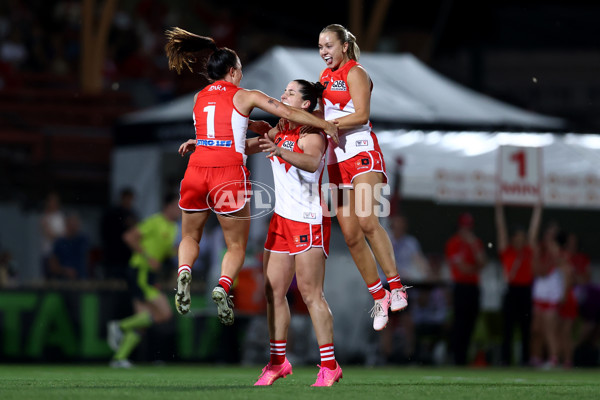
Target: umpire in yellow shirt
(152, 243)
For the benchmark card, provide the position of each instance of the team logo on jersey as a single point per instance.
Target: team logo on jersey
(362, 163)
(301, 239)
(277, 141)
(362, 143)
(310, 215)
(288, 145)
(339, 86)
(213, 143)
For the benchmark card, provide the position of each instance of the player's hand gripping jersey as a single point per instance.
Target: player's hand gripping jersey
(220, 127)
(338, 103)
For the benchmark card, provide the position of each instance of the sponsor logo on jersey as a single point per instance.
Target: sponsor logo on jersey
(310, 215)
(362, 143)
(288, 145)
(217, 87)
(362, 163)
(213, 143)
(339, 86)
(301, 239)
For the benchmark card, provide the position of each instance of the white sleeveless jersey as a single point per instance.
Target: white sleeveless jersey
(297, 192)
(338, 103)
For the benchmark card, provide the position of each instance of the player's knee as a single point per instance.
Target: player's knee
(354, 238)
(273, 294)
(310, 296)
(369, 225)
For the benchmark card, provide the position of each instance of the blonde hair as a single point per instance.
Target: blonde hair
(345, 36)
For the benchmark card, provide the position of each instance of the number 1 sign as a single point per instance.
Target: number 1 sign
(519, 174)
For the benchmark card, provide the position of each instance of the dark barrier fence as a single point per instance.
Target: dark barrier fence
(66, 324)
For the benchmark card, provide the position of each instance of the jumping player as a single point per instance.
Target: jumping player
(356, 167)
(216, 177)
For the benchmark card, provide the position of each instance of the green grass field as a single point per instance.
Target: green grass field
(179, 382)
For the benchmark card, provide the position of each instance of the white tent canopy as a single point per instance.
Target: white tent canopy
(405, 92)
(462, 167)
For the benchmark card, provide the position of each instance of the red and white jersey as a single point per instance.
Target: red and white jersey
(220, 127)
(338, 103)
(297, 192)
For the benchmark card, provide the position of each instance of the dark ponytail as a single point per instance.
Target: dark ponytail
(310, 91)
(187, 49)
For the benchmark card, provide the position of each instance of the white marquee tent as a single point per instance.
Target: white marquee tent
(405, 91)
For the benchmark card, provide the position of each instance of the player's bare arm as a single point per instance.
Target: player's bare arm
(308, 161)
(255, 98)
(359, 85)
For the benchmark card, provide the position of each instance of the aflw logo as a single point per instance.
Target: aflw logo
(339, 86)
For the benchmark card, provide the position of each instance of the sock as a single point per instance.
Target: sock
(129, 343)
(136, 321)
(184, 267)
(376, 290)
(225, 283)
(278, 351)
(327, 356)
(394, 282)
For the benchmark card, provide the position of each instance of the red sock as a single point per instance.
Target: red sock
(376, 290)
(184, 268)
(278, 351)
(394, 282)
(226, 283)
(327, 356)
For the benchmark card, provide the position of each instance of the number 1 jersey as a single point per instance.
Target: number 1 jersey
(220, 127)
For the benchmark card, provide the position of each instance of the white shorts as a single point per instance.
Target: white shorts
(548, 289)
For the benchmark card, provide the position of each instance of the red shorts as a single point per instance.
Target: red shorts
(568, 309)
(293, 237)
(343, 173)
(545, 305)
(221, 189)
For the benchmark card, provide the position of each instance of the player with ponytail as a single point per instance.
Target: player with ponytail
(216, 178)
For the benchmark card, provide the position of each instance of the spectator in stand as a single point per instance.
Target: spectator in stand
(412, 267)
(567, 309)
(466, 258)
(13, 49)
(576, 273)
(7, 269)
(517, 255)
(548, 296)
(53, 226)
(587, 294)
(70, 256)
(411, 263)
(115, 222)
